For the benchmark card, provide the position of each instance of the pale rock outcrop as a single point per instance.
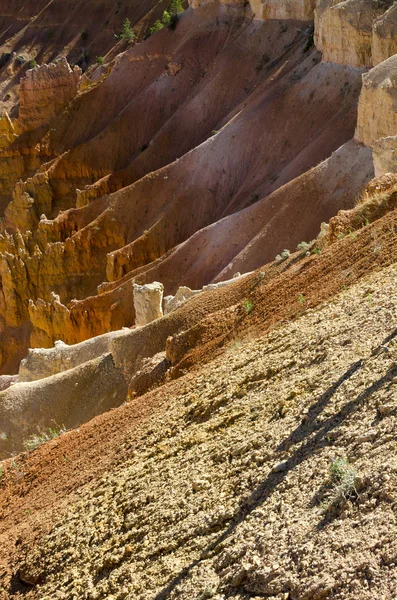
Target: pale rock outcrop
(385, 156)
(343, 30)
(65, 400)
(148, 302)
(45, 91)
(377, 114)
(44, 362)
(300, 10)
(384, 39)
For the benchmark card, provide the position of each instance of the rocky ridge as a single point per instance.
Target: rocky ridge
(67, 274)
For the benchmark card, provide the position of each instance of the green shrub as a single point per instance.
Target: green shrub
(127, 32)
(21, 59)
(32, 64)
(100, 60)
(175, 7)
(157, 26)
(84, 34)
(170, 17)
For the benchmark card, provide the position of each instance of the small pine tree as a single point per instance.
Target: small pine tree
(127, 32)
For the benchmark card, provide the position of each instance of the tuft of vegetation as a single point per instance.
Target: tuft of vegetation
(41, 438)
(343, 476)
(283, 256)
(248, 306)
(21, 60)
(100, 60)
(303, 246)
(32, 64)
(84, 34)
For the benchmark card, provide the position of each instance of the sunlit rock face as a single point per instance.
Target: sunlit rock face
(344, 30)
(45, 91)
(385, 156)
(384, 38)
(377, 117)
(300, 10)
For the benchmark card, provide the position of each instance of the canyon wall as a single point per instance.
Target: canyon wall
(102, 193)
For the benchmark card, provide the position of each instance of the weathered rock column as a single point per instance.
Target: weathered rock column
(377, 114)
(148, 301)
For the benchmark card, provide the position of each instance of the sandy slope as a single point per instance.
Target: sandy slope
(183, 493)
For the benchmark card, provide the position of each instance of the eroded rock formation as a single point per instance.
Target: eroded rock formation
(148, 302)
(344, 30)
(384, 40)
(377, 117)
(301, 10)
(110, 210)
(44, 91)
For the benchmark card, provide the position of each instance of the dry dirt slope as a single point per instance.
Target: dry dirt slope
(225, 490)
